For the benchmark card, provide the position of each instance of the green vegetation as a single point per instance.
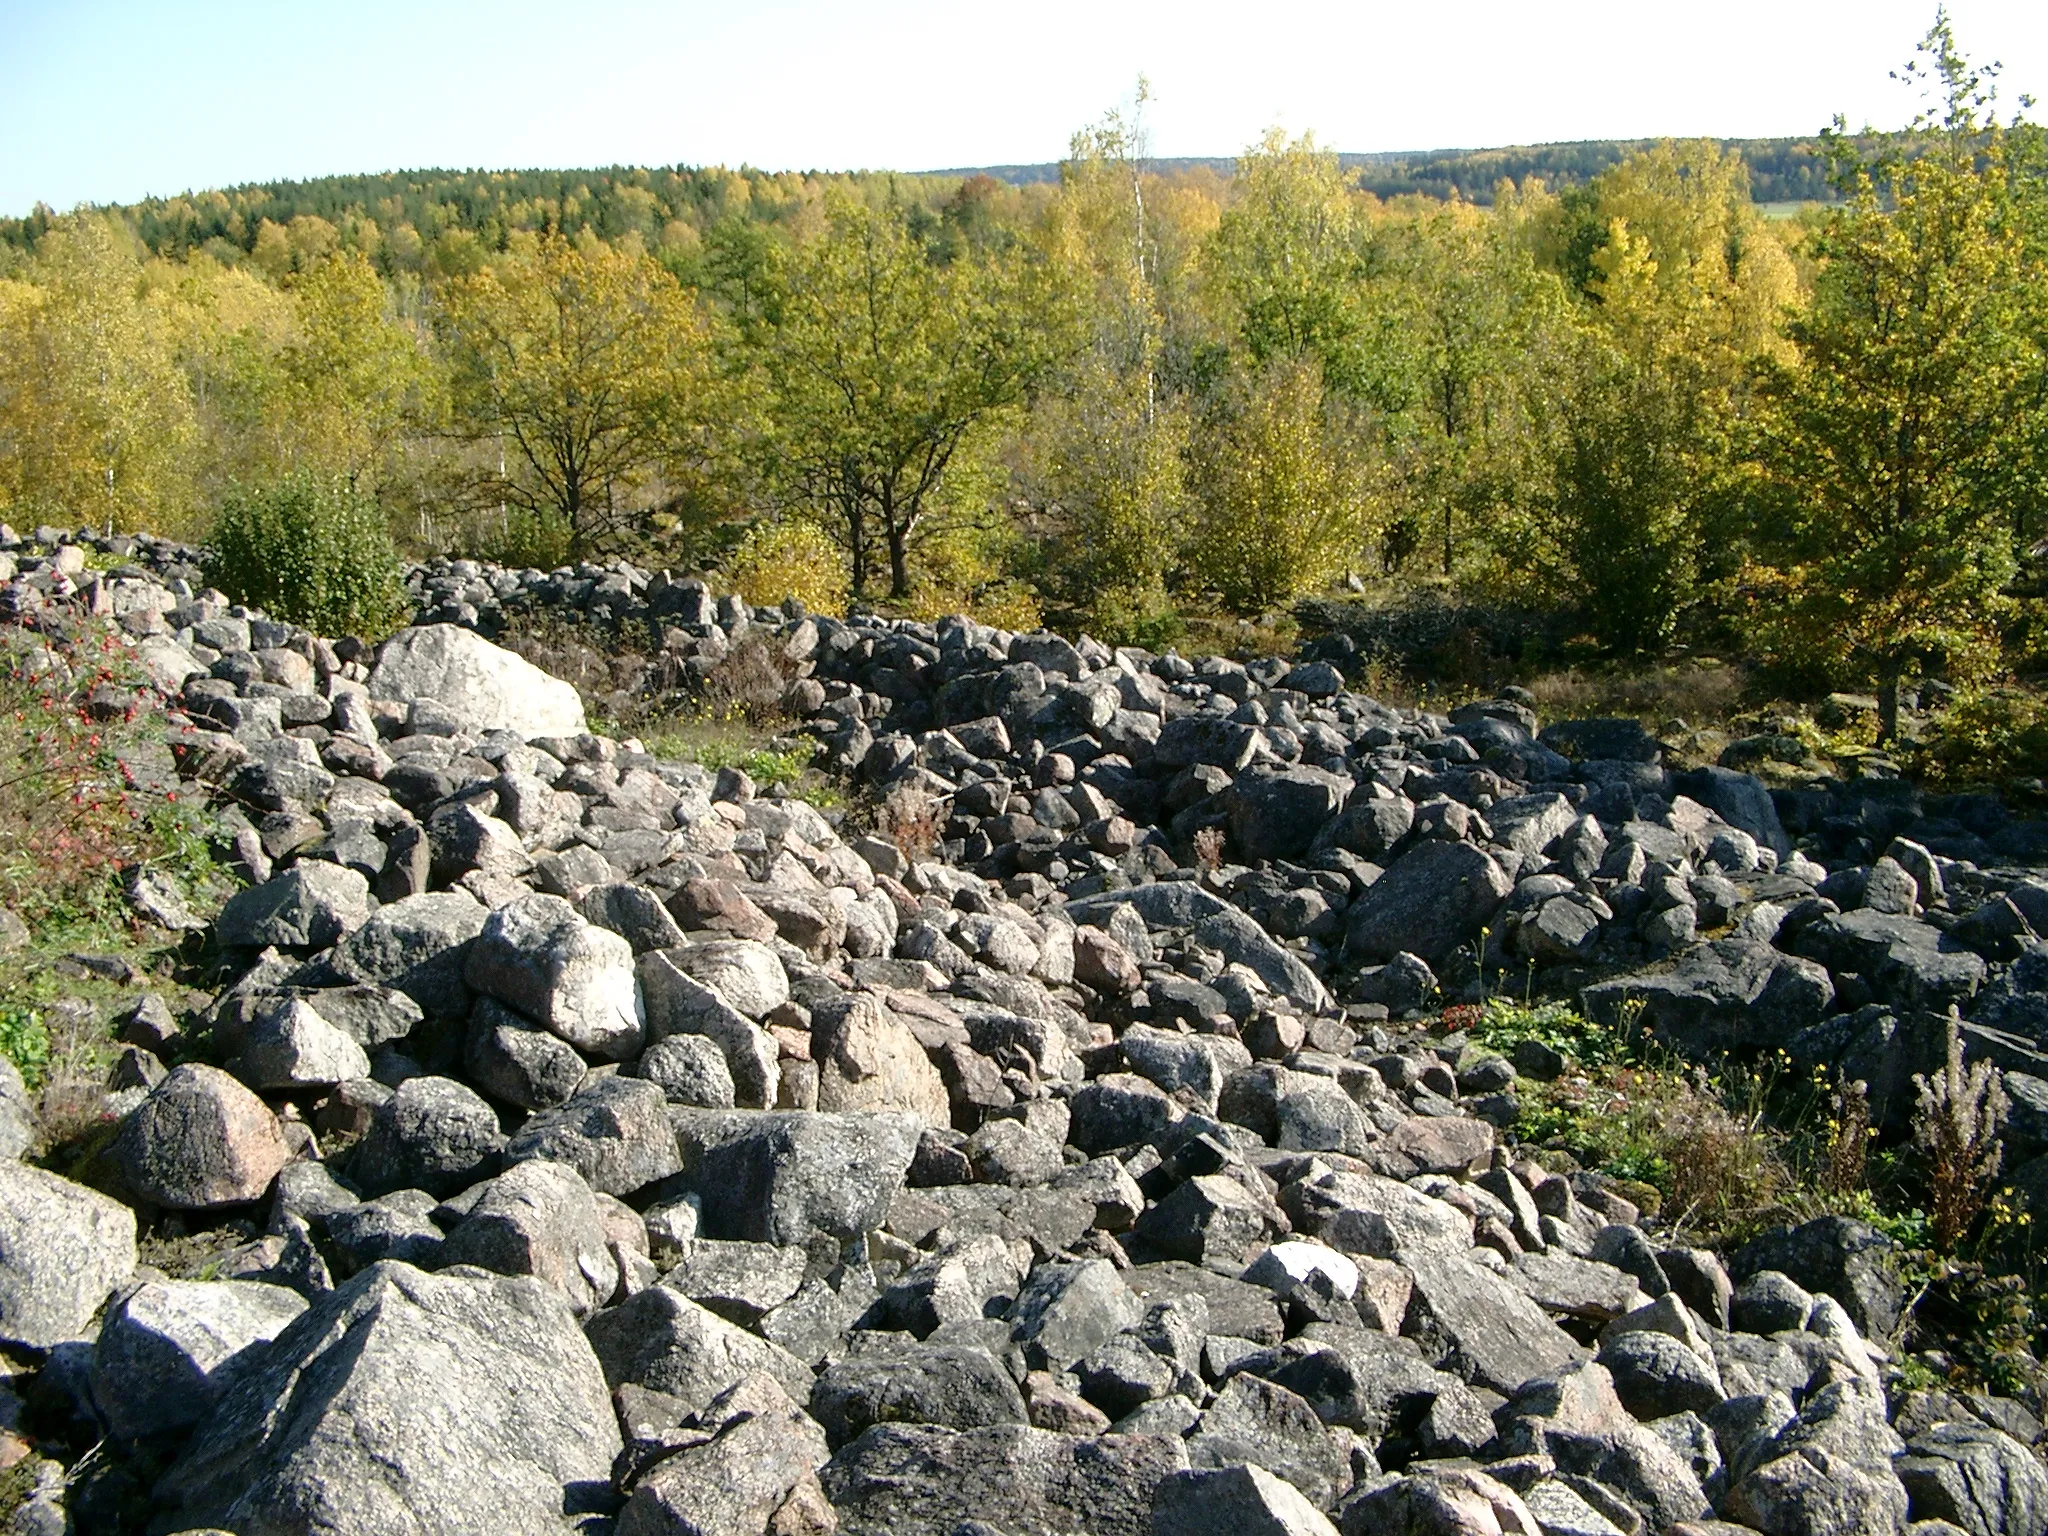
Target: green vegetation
(73, 824)
(316, 552)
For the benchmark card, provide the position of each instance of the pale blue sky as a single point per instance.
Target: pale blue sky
(108, 100)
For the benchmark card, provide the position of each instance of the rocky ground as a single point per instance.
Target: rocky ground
(582, 1141)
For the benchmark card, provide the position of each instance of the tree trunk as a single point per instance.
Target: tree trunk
(899, 559)
(1888, 709)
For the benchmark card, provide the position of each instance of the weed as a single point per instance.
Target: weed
(912, 819)
(1956, 1124)
(25, 1041)
(1208, 845)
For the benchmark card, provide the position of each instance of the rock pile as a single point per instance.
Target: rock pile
(628, 1151)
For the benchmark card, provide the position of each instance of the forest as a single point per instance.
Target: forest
(1604, 390)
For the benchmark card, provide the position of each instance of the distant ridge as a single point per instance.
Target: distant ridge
(1780, 170)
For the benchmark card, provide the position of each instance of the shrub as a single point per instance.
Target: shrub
(912, 820)
(1987, 736)
(790, 558)
(310, 550)
(1956, 1123)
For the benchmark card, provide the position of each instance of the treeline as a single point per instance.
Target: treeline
(1132, 396)
(1794, 170)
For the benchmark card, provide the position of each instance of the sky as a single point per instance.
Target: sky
(112, 100)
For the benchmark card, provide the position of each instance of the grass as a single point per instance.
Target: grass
(772, 760)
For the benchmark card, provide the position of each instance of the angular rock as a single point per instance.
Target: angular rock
(63, 1250)
(948, 1385)
(869, 1061)
(662, 1340)
(200, 1140)
(170, 1349)
(1241, 1499)
(410, 1402)
(921, 1480)
(539, 956)
(614, 1132)
(310, 906)
(1432, 900)
(1479, 1326)
(485, 687)
(757, 1471)
(432, 1134)
(539, 1219)
(777, 1177)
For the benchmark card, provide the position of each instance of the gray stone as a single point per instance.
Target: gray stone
(1066, 1311)
(614, 1132)
(922, 1480)
(200, 1140)
(1479, 1326)
(949, 1385)
(1275, 813)
(679, 1004)
(1978, 1479)
(662, 1340)
(17, 1112)
(1260, 1423)
(170, 1349)
(432, 1134)
(753, 1469)
(419, 946)
(1730, 994)
(1431, 901)
(538, 956)
(777, 1177)
(1655, 1375)
(309, 906)
(487, 688)
(293, 1046)
(690, 1070)
(516, 1061)
(461, 1403)
(539, 1219)
(63, 1250)
(1236, 1499)
(747, 975)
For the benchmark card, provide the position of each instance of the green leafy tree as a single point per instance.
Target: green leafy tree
(96, 419)
(588, 371)
(352, 375)
(880, 365)
(1886, 453)
(1284, 506)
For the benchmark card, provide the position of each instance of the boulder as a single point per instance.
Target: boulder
(950, 1385)
(1275, 813)
(63, 1250)
(419, 946)
(662, 1340)
(1479, 1326)
(484, 686)
(922, 1480)
(1432, 900)
(780, 1176)
(753, 1468)
(1730, 994)
(1848, 1259)
(614, 1132)
(539, 956)
(1977, 1478)
(1243, 1499)
(460, 1403)
(539, 1219)
(170, 1349)
(200, 1140)
(869, 1061)
(309, 906)
(432, 1134)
